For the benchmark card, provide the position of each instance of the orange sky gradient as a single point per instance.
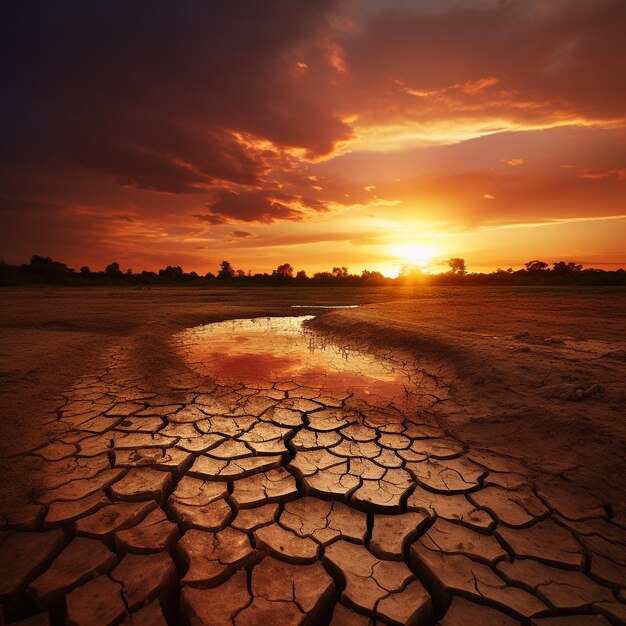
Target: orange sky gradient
(358, 132)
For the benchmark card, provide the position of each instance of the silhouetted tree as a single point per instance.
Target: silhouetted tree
(372, 277)
(48, 269)
(240, 273)
(284, 271)
(85, 271)
(457, 266)
(566, 268)
(149, 277)
(40, 264)
(323, 276)
(340, 272)
(172, 271)
(301, 275)
(226, 270)
(535, 266)
(112, 270)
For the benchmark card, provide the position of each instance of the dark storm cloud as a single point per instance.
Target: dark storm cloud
(151, 92)
(182, 163)
(179, 98)
(254, 205)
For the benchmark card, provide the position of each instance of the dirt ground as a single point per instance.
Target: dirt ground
(49, 337)
(533, 378)
(514, 358)
(534, 374)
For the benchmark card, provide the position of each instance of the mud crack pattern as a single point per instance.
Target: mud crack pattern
(207, 504)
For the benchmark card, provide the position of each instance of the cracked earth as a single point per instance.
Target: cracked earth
(210, 502)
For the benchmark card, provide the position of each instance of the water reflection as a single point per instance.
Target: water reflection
(324, 306)
(264, 351)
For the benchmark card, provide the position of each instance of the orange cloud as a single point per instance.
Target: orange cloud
(619, 174)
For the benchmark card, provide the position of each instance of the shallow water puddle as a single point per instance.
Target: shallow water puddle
(324, 306)
(265, 351)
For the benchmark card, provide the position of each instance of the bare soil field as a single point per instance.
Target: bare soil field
(534, 374)
(482, 506)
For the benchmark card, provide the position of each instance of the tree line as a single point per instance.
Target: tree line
(45, 270)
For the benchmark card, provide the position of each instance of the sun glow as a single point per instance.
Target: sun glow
(417, 254)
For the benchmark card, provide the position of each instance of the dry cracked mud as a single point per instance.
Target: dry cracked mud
(200, 503)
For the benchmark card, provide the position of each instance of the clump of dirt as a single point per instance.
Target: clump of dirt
(572, 391)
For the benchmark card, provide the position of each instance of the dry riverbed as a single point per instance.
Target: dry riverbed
(190, 481)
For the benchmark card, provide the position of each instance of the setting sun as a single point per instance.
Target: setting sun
(418, 254)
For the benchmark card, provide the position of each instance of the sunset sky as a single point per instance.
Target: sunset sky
(362, 133)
